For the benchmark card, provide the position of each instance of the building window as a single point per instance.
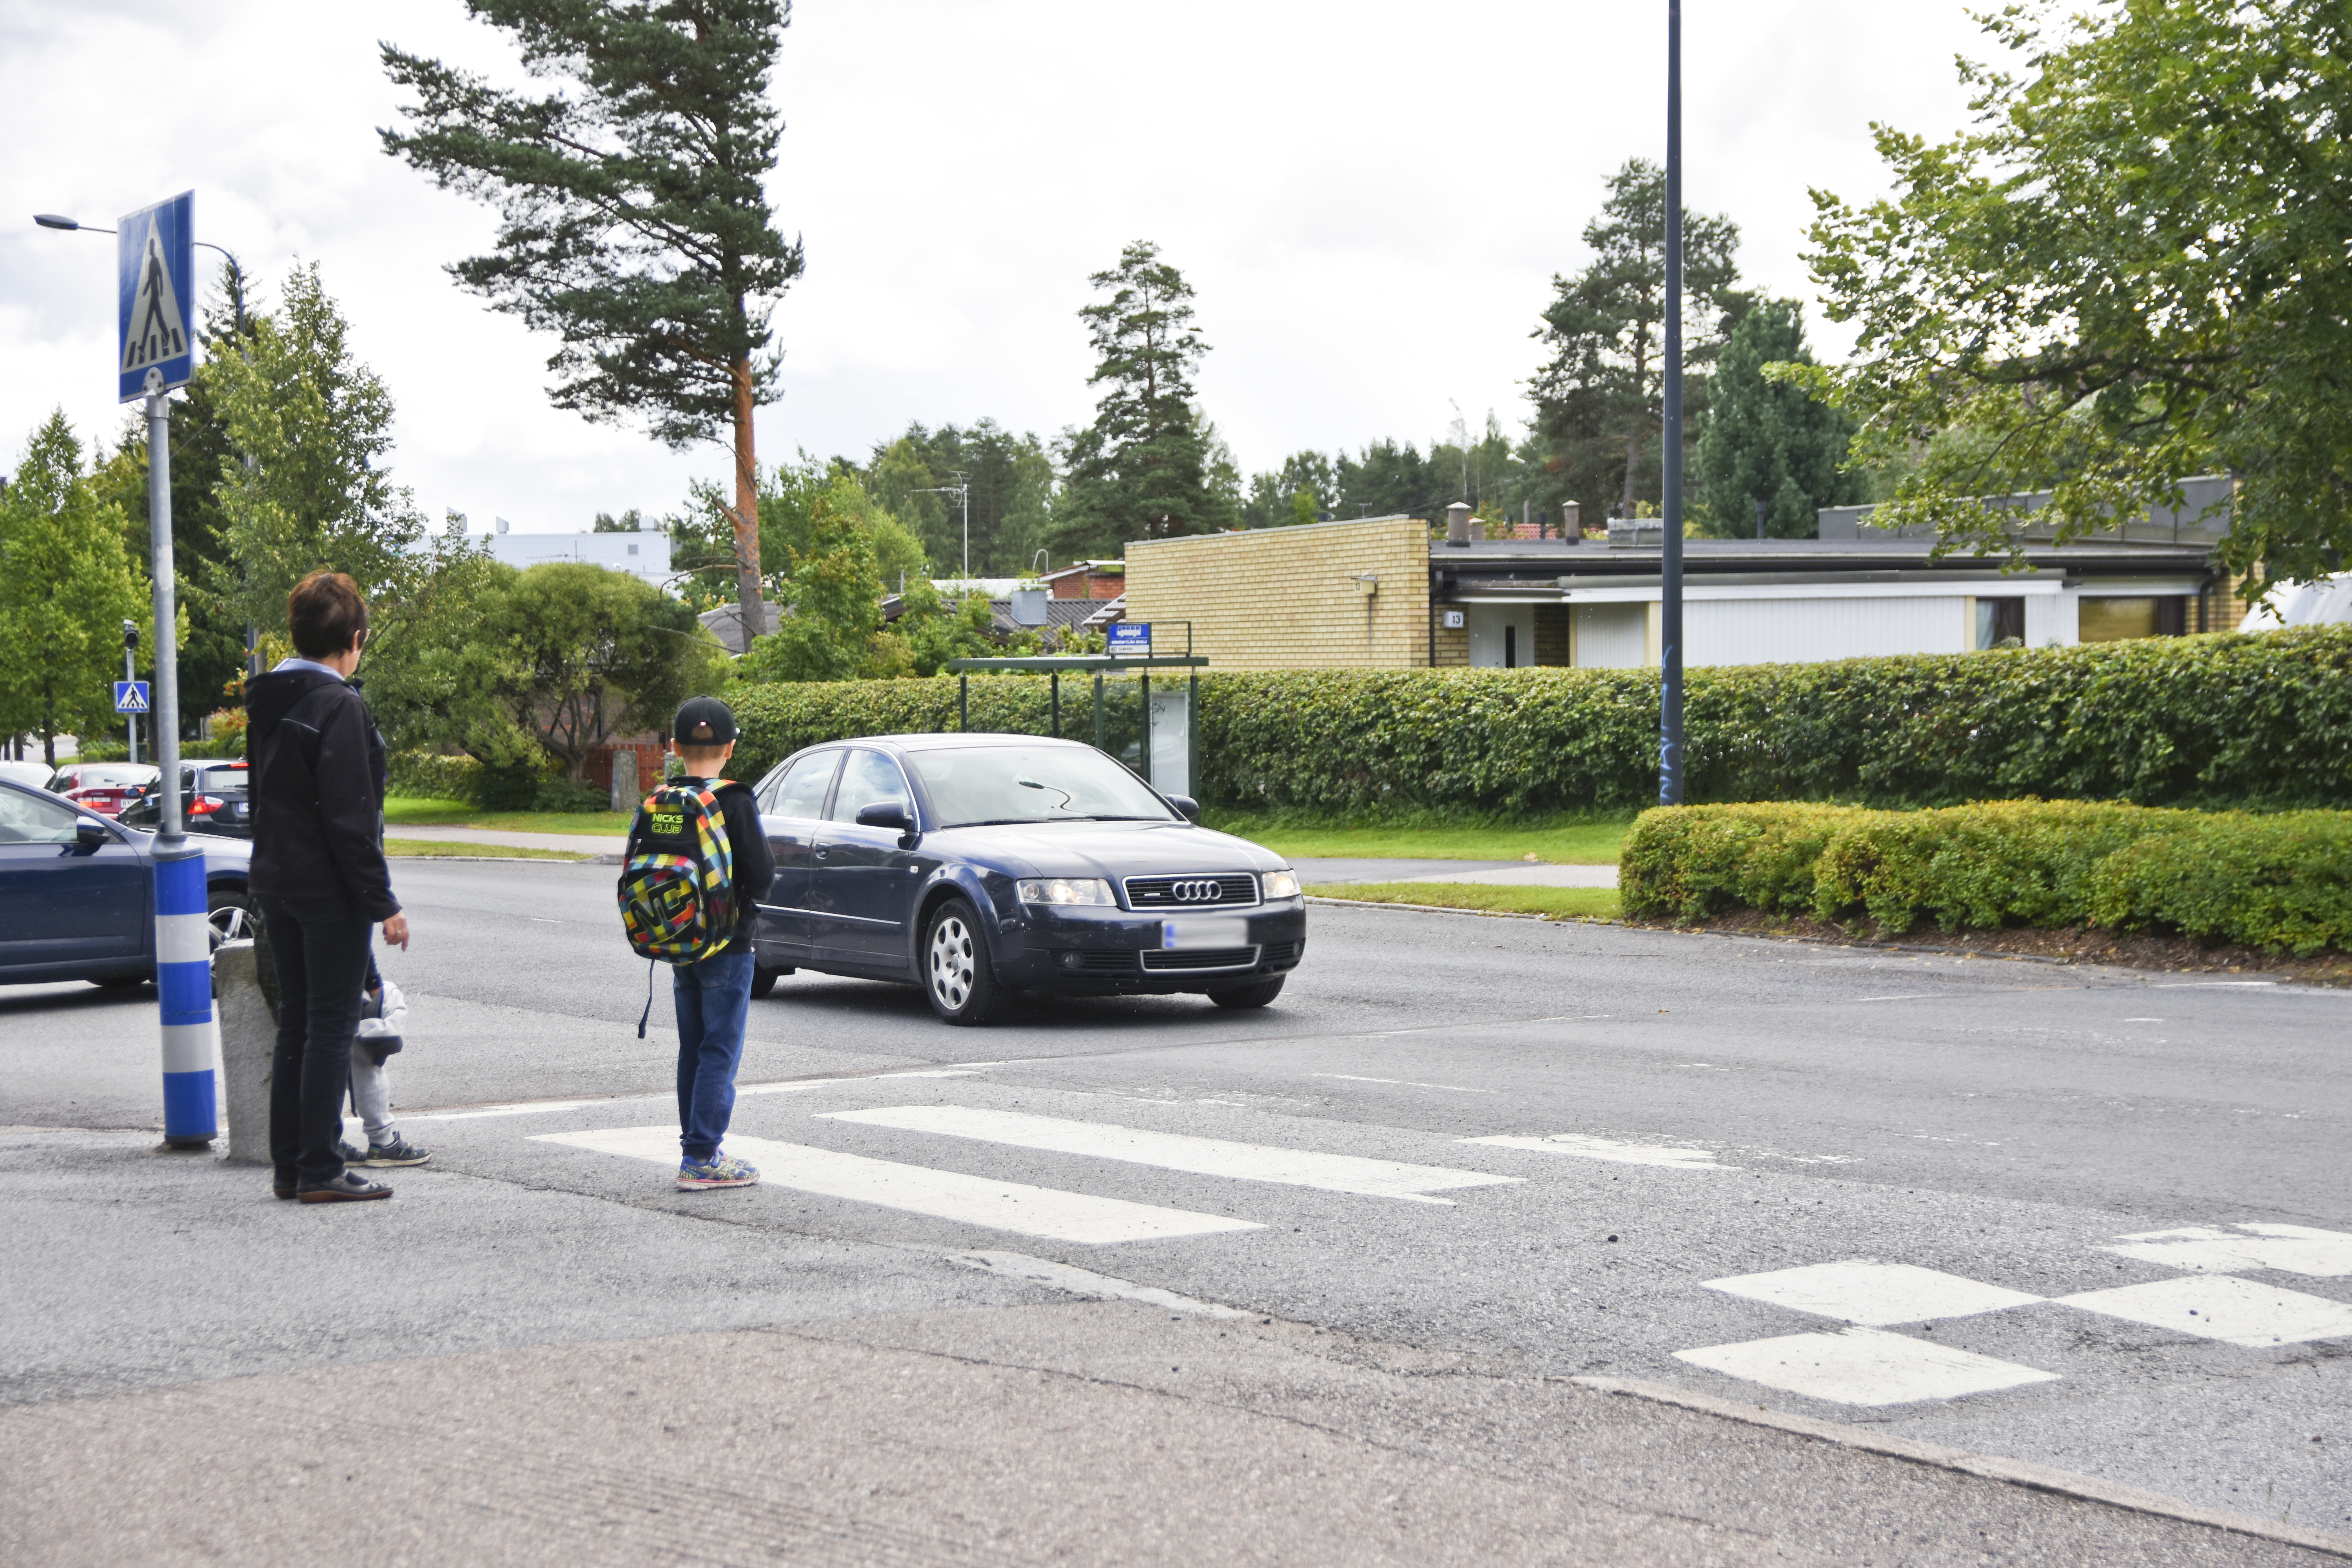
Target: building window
(633, 549)
(2118, 619)
(2000, 623)
(1510, 647)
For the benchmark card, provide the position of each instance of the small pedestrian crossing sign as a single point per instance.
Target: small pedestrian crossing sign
(156, 265)
(130, 697)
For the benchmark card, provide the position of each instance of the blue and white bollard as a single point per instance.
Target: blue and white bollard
(183, 982)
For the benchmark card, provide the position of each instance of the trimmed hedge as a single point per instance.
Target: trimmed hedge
(2218, 721)
(433, 776)
(2281, 881)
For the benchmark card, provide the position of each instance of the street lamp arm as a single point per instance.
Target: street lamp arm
(52, 220)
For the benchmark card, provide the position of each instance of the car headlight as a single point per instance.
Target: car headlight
(1066, 890)
(1282, 884)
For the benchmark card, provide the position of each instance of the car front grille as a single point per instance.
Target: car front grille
(1278, 954)
(1116, 962)
(1201, 958)
(1204, 891)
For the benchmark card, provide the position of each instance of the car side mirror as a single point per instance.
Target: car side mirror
(886, 813)
(1187, 804)
(88, 836)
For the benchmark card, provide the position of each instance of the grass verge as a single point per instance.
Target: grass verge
(408, 811)
(436, 849)
(1552, 904)
(1561, 840)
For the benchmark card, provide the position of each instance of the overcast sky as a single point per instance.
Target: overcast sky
(1371, 199)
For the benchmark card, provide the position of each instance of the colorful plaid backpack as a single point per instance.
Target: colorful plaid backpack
(677, 878)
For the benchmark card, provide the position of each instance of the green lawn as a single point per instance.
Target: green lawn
(409, 811)
(1565, 841)
(1552, 904)
(429, 848)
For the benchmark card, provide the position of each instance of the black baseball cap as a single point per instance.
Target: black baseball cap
(703, 721)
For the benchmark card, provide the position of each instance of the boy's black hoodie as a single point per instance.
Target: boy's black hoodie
(316, 763)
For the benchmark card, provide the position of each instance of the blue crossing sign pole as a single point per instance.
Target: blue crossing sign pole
(155, 278)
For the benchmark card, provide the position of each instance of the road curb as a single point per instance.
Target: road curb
(1436, 909)
(2014, 1472)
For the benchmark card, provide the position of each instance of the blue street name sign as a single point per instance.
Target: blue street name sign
(155, 282)
(130, 697)
(1130, 636)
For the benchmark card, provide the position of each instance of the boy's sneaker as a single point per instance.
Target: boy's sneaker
(399, 1152)
(722, 1170)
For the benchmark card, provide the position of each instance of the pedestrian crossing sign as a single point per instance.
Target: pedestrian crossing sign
(130, 697)
(155, 263)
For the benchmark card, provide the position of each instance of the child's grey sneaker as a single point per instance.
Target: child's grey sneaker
(349, 1155)
(722, 1170)
(399, 1152)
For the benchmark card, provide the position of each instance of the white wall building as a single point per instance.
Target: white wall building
(644, 554)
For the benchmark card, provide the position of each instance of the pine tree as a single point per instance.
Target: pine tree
(67, 584)
(636, 224)
(1599, 401)
(1767, 440)
(1140, 469)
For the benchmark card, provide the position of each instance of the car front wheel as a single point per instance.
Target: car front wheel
(956, 974)
(1256, 996)
(763, 980)
(230, 914)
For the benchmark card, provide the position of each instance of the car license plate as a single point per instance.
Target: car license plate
(1204, 931)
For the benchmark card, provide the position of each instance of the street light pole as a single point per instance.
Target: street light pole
(130, 673)
(1670, 553)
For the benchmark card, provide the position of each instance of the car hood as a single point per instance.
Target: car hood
(1111, 849)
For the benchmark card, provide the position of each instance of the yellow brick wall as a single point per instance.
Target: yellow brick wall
(1454, 647)
(1287, 598)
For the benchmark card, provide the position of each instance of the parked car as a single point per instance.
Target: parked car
(103, 788)
(78, 892)
(36, 775)
(212, 800)
(981, 866)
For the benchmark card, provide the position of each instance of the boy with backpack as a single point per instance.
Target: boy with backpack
(697, 860)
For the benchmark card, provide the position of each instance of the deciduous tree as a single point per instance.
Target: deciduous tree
(67, 585)
(2135, 269)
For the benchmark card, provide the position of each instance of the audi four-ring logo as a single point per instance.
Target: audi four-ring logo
(1195, 892)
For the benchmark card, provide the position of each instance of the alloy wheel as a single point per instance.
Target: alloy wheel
(952, 962)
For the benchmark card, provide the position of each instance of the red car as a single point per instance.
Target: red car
(104, 788)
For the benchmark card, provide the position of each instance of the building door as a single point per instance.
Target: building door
(1501, 637)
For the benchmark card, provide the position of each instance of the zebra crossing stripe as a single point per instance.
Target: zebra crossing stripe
(1179, 1151)
(1012, 1206)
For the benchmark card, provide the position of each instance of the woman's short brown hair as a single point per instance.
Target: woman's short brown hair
(325, 614)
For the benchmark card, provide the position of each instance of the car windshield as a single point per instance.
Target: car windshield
(973, 785)
(114, 778)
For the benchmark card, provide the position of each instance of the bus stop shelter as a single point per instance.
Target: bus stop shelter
(1171, 712)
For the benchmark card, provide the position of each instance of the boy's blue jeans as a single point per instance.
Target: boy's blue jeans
(712, 997)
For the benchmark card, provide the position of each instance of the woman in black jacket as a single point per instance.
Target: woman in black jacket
(319, 876)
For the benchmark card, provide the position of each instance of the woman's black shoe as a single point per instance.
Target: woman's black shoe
(348, 1188)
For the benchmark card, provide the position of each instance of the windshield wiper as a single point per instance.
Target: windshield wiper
(998, 822)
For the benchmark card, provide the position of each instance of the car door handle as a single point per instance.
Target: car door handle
(820, 854)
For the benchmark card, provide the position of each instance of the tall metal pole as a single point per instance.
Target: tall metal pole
(1670, 553)
(130, 673)
(184, 948)
(963, 492)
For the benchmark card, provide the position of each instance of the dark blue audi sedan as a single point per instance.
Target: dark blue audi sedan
(78, 892)
(979, 866)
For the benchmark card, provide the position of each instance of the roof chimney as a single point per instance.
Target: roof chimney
(1458, 525)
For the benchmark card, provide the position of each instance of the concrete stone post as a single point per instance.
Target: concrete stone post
(626, 790)
(249, 1035)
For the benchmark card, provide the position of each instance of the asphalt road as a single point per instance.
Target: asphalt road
(1537, 1151)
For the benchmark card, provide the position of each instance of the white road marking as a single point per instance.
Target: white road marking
(1404, 1082)
(1083, 1282)
(795, 1086)
(916, 1189)
(1864, 1366)
(2290, 1248)
(2222, 1307)
(1905, 996)
(1859, 1290)
(1179, 1151)
(1609, 1148)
